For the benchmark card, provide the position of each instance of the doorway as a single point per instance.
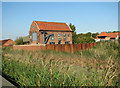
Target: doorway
(59, 42)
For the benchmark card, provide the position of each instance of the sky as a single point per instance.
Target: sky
(86, 16)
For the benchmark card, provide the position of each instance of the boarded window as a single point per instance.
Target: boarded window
(34, 36)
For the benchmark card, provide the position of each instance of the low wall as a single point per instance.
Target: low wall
(28, 47)
(58, 47)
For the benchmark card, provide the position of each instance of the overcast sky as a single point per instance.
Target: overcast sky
(86, 16)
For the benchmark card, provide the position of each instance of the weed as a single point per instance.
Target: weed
(93, 67)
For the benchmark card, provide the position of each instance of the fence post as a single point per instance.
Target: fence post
(91, 45)
(59, 47)
(71, 48)
(78, 47)
(56, 47)
(83, 46)
(67, 47)
(50, 47)
(88, 46)
(46, 46)
(74, 48)
(63, 47)
(94, 43)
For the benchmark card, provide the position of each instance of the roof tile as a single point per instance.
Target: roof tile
(53, 26)
(112, 35)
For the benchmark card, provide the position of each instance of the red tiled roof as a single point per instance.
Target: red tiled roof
(4, 41)
(111, 35)
(55, 26)
(102, 34)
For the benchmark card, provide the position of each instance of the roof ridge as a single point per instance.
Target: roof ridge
(42, 25)
(50, 22)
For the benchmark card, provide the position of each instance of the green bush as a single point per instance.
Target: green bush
(19, 41)
(86, 40)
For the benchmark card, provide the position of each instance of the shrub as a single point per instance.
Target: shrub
(86, 40)
(19, 41)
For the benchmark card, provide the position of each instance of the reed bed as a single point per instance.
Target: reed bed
(94, 67)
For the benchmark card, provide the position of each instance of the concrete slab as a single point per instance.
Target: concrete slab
(6, 83)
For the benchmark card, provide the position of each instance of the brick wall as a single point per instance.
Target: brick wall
(58, 47)
(28, 47)
(56, 40)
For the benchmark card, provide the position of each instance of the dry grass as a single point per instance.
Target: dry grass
(94, 67)
(111, 71)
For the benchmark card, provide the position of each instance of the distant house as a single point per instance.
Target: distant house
(97, 39)
(49, 33)
(108, 36)
(7, 42)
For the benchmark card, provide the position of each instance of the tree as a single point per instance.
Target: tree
(115, 31)
(94, 35)
(86, 40)
(19, 41)
(88, 34)
(74, 35)
(81, 38)
(72, 27)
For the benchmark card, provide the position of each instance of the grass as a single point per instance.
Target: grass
(93, 67)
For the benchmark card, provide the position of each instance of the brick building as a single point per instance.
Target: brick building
(108, 36)
(50, 33)
(7, 42)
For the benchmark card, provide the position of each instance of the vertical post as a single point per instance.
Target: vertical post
(43, 38)
(71, 48)
(83, 46)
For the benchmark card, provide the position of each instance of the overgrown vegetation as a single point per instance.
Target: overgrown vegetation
(84, 38)
(81, 38)
(19, 41)
(94, 67)
(74, 35)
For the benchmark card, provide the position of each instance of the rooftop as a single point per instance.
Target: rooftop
(53, 26)
(112, 35)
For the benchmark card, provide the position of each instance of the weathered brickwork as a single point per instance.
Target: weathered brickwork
(58, 47)
(56, 40)
(34, 28)
(29, 48)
